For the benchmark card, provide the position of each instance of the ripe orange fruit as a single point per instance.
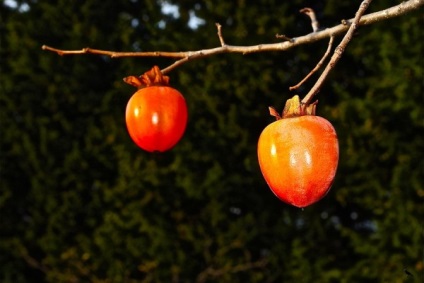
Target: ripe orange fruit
(298, 155)
(156, 115)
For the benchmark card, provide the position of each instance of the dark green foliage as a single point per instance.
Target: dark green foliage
(79, 202)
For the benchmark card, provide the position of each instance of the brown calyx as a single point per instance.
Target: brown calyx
(154, 77)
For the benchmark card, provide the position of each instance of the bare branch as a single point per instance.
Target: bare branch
(186, 56)
(283, 37)
(311, 14)
(317, 67)
(337, 52)
(175, 65)
(221, 38)
(116, 54)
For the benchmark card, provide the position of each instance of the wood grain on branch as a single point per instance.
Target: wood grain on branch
(186, 56)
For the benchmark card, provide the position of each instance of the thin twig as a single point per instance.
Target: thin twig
(186, 56)
(311, 14)
(221, 38)
(175, 65)
(196, 54)
(117, 54)
(337, 52)
(283, 37)
(317, 67)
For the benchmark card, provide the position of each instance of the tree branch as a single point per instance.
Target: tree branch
(337, 53)
(311, 14)
(320, 63)
(186, 56)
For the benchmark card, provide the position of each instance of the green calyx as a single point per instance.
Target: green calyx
(294, 108)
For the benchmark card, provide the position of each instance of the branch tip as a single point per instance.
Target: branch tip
(337, 53)
(284, 37)
(311, 14)
(221, 38)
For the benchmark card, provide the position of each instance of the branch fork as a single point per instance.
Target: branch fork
(348, 26)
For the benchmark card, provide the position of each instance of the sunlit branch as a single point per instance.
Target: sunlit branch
(337, 52)
(283, 37)
(221, 38)
(320, 63)
(185, 56)
(311, 14)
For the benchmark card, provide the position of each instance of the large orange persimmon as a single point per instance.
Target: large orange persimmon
(156, 115)
(298, 154)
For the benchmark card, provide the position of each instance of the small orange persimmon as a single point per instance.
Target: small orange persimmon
(156, 115)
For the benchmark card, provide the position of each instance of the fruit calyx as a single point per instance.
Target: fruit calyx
(294, 108)
(153, 77)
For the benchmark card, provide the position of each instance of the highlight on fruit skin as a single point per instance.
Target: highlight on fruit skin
(298, 154)
(156, 115)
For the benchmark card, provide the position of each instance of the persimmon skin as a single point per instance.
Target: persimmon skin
(156, 117)
(298, 158)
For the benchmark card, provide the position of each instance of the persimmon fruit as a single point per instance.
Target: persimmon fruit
(156, 114)
(298, 154)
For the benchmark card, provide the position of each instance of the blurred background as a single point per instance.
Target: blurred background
(80, 202)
